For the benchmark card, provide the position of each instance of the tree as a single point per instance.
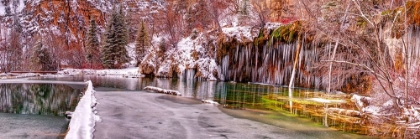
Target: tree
(162, 48)
(121, 35)
(92, 43)
(14, 52)
(142, 42)
(173, 26)
(114, 53)
(245, 7)
(41, 58)
(262, 10)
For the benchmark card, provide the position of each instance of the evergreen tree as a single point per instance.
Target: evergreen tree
(121, 35)
(41, 58)
(142, 42)
(107, 51)
(92, 47)
(114, 51)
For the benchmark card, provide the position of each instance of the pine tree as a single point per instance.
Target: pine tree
(121, 35)
(92, 47)
(114, 51)
(107, 51)
(142, 42)
(41, 58)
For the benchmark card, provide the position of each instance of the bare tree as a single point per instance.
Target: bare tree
(172, 24)
(263, 11)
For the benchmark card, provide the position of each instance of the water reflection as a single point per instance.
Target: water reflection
(188, 88)
(247, 96)
(42, 99)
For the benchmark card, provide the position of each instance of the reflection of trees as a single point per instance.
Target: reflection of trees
(44, 99)
(239, 96)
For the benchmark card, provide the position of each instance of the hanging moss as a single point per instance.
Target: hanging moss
(260, 41)
(287, 33)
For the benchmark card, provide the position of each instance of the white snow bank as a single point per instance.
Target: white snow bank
(83, 118)
(127, 72)
(160, 90)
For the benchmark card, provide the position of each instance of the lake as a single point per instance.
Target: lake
(36, 110)
(258, 102)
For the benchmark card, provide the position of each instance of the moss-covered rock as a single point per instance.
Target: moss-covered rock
(287, 33)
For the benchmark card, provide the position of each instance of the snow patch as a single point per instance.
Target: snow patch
(208, 101)
(164, 91)
(83, 118)
(2, 9)
(240, 33)
(127, 72)
(327, 101)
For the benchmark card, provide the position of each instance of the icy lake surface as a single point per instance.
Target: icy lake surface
(268, 104)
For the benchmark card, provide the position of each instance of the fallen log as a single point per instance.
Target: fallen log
(164, 91)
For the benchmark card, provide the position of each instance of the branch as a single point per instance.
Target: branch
(361, 12)
(355, 64)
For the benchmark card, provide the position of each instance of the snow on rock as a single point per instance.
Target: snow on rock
(164, 91)
(272, 25)
(344, 112)
(242, 33)
(360, 101)
(83, 118)
(371, 109)
(210, 102)
(131, 50)
(327, 101)
(189, 54)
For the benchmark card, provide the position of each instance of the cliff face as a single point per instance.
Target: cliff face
(62, 24)
(282, 9)
(64, 19)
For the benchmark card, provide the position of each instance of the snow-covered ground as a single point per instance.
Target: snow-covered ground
(84, 117)
(127, 72)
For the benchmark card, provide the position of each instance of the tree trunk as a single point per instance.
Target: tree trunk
(296, 60)
(331, 63)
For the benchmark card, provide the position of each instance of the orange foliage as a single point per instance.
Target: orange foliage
(414, 12)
